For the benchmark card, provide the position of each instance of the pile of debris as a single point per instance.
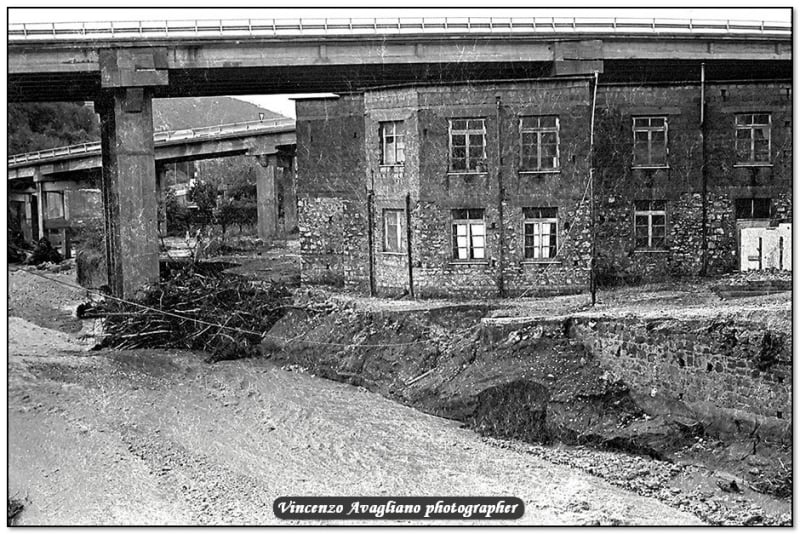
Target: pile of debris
(40, 253)
(221, 314)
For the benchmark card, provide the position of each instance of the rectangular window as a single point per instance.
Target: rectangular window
(469, 234)
(54, 205)
(539, 149)
(752, 208)
(540, 229)
(393, 143)
(393, 230)
(649, 141)
(467, 145)
(650, 224)
(753, 138)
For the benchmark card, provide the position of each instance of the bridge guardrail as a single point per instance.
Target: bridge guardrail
(166, 29)
(158, 138)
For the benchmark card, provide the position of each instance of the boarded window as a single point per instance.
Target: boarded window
(469, 234)
(467, 145)
(54, 205)
(753, 138)
(393, 144)
(539, 143)
(649, 141)
(540, 229)
(650, 224)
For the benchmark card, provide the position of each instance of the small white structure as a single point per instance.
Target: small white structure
(766, 248)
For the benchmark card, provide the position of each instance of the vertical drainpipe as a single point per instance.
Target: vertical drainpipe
(501, 193)
(370, 233)
(408, 247)
(704, 168)
(592, 260)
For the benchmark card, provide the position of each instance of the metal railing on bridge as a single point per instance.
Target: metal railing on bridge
(160, 138)
(289, 28)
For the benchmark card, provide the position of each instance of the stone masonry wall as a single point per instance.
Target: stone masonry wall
(723, 370)
(320, 223)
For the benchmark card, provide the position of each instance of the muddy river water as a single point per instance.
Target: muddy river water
(159, 437)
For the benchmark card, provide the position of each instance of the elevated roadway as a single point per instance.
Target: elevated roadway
(65, 61)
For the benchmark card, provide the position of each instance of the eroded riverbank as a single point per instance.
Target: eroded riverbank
(154, 437)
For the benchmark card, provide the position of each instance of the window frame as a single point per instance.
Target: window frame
(468, 222)
(399, 147)
(650, 212)
(466, 133)
(533, 221)
(399, 234)
(650, 129)
(751, 127)
(539, 131)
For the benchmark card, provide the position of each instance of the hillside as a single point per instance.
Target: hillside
(182, 113)
(38, 126)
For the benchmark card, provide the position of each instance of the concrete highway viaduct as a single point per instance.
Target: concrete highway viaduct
(123, 66)
(68, 170)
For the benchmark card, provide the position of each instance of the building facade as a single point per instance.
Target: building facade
(486, 189)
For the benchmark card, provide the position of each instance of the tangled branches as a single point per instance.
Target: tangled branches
(222, 314)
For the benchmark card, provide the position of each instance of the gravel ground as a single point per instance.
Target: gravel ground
(158, 437)
(155, 437)
(682, 300)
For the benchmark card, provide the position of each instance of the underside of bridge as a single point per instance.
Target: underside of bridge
(343, 79)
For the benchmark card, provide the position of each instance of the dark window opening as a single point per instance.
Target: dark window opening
(753, 143)
(467, 145)
(649, 141)
(752, 208)
(539, 148)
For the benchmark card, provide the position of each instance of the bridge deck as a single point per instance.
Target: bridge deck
(222, 131)
(359, 27)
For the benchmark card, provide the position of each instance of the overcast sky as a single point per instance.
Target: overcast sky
(284, 106)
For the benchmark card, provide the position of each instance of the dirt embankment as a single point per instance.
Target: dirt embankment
(533, 386)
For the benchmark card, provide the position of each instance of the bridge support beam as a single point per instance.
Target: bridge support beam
(266, 196)
(276, 196)
(129, 189)
(161, 195)
(289, 194)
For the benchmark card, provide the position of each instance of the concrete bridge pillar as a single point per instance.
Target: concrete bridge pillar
(161, 193)
(289, 194)
(128, 77)
(266, 196)
(129, 190)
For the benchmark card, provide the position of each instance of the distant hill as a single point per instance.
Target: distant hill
(183, 113)
(39, 126)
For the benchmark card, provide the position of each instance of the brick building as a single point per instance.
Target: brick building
(483, 189)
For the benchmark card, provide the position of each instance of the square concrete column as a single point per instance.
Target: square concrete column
(161, 193)
(130, 202)
(39, 207)
(289, 195)
(266, 197)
